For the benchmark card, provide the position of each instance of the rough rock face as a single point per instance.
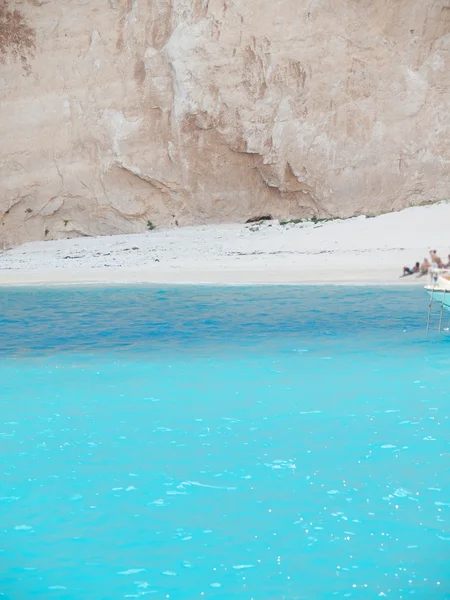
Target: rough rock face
(119, 112)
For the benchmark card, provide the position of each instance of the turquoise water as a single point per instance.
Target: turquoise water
(248, 443)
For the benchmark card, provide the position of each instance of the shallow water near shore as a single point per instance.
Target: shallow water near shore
(206, 442)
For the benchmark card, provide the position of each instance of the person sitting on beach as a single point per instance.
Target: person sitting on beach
(424, 267)
(408, 271)
(436, 262)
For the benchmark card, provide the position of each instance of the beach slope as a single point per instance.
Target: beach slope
(360, 250)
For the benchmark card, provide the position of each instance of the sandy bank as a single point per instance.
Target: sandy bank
(355, 251)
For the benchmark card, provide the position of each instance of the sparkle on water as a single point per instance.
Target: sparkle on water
(249, 443)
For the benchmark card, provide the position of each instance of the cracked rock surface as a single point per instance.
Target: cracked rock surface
(117, 113)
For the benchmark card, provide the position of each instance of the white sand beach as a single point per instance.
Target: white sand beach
(356, 251)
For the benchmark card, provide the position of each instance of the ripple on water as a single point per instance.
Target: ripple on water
(130, 572)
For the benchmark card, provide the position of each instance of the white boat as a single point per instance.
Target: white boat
(439, 288)
(439, 291)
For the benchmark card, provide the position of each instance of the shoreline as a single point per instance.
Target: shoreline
(353, 252)
(218, 279)
(111, 284)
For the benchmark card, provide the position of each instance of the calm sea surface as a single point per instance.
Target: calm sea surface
(256, 443)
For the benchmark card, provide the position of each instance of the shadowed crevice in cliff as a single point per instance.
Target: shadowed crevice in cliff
(17, 38)
(300, 196)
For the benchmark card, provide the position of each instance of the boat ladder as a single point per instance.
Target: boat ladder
(440, 301)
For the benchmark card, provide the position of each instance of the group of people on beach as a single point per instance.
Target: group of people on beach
(422, 269)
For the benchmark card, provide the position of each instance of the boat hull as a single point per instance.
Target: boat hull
(440, 296)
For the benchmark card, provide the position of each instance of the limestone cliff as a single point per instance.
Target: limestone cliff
(119, 112)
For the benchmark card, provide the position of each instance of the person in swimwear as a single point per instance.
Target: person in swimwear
(408, 271)
(436, 261)
(424, 267)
